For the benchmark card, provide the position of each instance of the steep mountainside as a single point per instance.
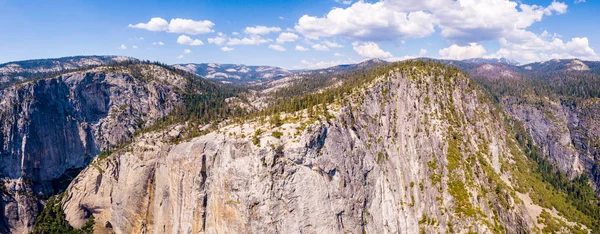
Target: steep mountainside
(559, 108)
(52, 128)
(235, 73)
(373, 147)
(409, 147)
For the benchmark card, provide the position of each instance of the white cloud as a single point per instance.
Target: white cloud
(235, 33)
(286, 37)
(281, 17)
(187, 51)
(320, 47)
(532, 48)
(276, 47)
(177, 25)
(337, 55)
(252, 40)
(261, 30)
(464, 20)
(227, 49)
(558, 7)
(123, 47)
(160, 43)
(301, 48)
(180, 56)
(218, 40)
(134, 47)
(185, 40)
(422, 53)
(155, 24)
(473, 21)
(370, 50)
(579, 1)
(332, 44)
(190, 26)
(473, 50)
(366, 21)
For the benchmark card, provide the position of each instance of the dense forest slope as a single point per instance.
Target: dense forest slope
(558, 103)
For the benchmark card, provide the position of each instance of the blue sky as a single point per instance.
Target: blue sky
(313, 33)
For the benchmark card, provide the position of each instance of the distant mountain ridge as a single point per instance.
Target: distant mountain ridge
(234, 72)
(57, 64)
(19, 71)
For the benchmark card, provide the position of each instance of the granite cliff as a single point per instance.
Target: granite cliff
(52, 128)
(418, 148)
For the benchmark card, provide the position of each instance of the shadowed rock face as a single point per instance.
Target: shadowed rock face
(568, 135)
(52, 128)
(386, 159)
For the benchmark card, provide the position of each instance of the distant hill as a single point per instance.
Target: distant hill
(491, 60)
(563, 65)
(234, 73)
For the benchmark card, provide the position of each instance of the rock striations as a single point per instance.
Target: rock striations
(419, 149)
(409, 147)
(52, 128)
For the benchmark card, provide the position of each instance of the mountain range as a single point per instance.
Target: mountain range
(110, 144)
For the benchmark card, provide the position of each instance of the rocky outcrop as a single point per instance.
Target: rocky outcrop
(52, 128)
(418, 151)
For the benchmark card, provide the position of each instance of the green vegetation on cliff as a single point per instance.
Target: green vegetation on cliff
(52, 220)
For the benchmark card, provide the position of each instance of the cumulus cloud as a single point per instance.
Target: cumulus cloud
(579, 1)
(332, 44)
(227, 49)
(160, 43)
(422, 53)
(177, 25)
(370, 50)
(185, 40)
(464, 20)
(134, 47)
(366, 21)
(338, 54)
(286, 37)
(252, 40)
(218, 40)
(532, 48)
(473, 50)
(261, 30)
(123, 47)
(155, 24)
(187, 51)
(276, 47)
(301, 48)
(320, 47)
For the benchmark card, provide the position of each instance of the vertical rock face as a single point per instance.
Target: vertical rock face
(413, 152)
(52, 128)
(567, 134)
